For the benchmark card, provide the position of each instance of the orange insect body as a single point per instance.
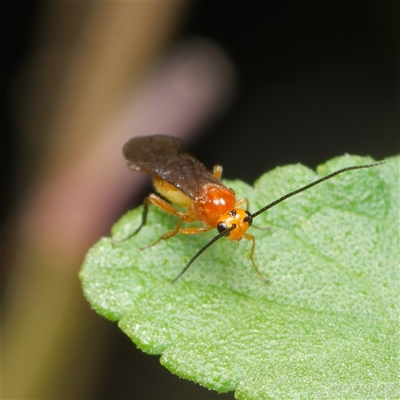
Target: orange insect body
(213, 204)
(208, 207)
(183, 180)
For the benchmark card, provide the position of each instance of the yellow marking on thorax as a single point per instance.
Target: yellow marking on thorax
(171, 193)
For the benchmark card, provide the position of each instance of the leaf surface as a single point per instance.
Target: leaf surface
(325, 327)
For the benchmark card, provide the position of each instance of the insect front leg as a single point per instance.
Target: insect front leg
(253, 240)
(185, 231)
(195, 230)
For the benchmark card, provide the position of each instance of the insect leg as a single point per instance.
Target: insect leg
(164, 206)
(142, 224)
(217, 172)
(177, 229)
(195, 230)
(158, 202)
(253, 246)
(240, 202)
(167, 207)
(144, 216)
(166, 235)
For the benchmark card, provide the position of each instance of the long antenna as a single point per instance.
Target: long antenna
(204, 248)
(267, 207)
(325, 178)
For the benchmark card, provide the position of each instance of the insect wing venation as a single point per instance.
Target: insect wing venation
(164, 157)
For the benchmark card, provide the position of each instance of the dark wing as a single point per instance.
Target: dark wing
(164, 157)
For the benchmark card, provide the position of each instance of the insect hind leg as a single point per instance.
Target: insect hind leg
(142, 224)
(166, 207)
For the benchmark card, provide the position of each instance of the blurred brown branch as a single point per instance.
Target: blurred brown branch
(90, 84)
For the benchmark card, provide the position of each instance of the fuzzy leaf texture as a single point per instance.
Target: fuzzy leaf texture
(326, 326)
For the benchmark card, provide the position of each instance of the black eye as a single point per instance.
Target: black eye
(221, 227)
(248, 218)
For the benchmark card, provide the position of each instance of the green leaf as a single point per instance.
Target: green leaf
(325, 327)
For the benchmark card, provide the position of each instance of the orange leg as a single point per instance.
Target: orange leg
(217, 172)
(195, 230)
(240, 202)
(164, 206)
(251, 237)
(176, 230)
(165, 235)
(167, 207)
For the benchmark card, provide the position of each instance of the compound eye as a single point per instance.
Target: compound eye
(222, 226)
(248, 218)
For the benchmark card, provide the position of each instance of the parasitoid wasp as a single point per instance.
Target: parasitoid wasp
(183, 180)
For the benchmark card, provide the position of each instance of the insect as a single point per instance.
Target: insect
(183, 180)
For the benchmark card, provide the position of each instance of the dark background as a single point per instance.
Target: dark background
(316, 80)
